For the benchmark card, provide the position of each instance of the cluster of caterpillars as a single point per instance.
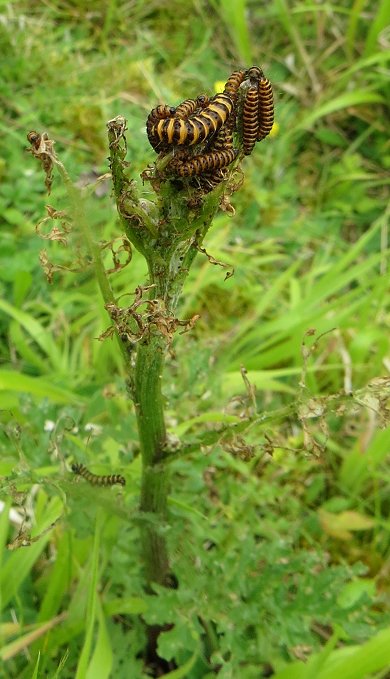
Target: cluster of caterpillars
(208, 134)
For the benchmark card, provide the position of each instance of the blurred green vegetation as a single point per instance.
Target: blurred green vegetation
(280, 558)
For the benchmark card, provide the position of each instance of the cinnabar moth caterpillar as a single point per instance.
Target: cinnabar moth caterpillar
(158, 113)
(96, 479)
(266, 108)
(233, 83)
(250, 119)
(204, 163)
(190, 106)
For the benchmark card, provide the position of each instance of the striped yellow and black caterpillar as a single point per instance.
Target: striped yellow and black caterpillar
(156, 114)
(190, 106)
(163, 112)
(250, 119)
(233, 83)
(220, 142)
(266, 108)
(97, 479)
(210, 180)
(232, 86)
(194, 129)
(204, 162)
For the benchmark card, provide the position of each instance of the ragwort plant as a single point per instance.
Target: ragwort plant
(145, 329)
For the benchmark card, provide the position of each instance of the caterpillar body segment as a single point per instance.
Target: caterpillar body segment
(266, 108)
(191, 106)
(250, 119)
(205, 162)
(233, 83)
(222, 140)
(186, 108)
(210, 180)
(160, 112)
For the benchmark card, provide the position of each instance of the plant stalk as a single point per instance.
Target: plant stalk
(148, 401)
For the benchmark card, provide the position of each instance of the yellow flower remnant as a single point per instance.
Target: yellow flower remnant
(219, 86)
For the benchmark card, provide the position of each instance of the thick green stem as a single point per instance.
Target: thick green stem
(148, 401)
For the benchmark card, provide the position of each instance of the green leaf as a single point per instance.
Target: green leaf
(359, 662)
(378, 25)
(100, 665)
(82, 665)
(125, 606)
(346, 100)
(36, 386)
(182, 672)
(35, 673)
(58, 582)
(353, 591)
(351, 662)
(20, 562)
(15, 647)
(38, 332)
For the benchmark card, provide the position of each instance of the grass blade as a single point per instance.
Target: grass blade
(355, 98)
(101, 662)
(82, 666)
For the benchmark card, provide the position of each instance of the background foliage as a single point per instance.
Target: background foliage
(280, 542)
